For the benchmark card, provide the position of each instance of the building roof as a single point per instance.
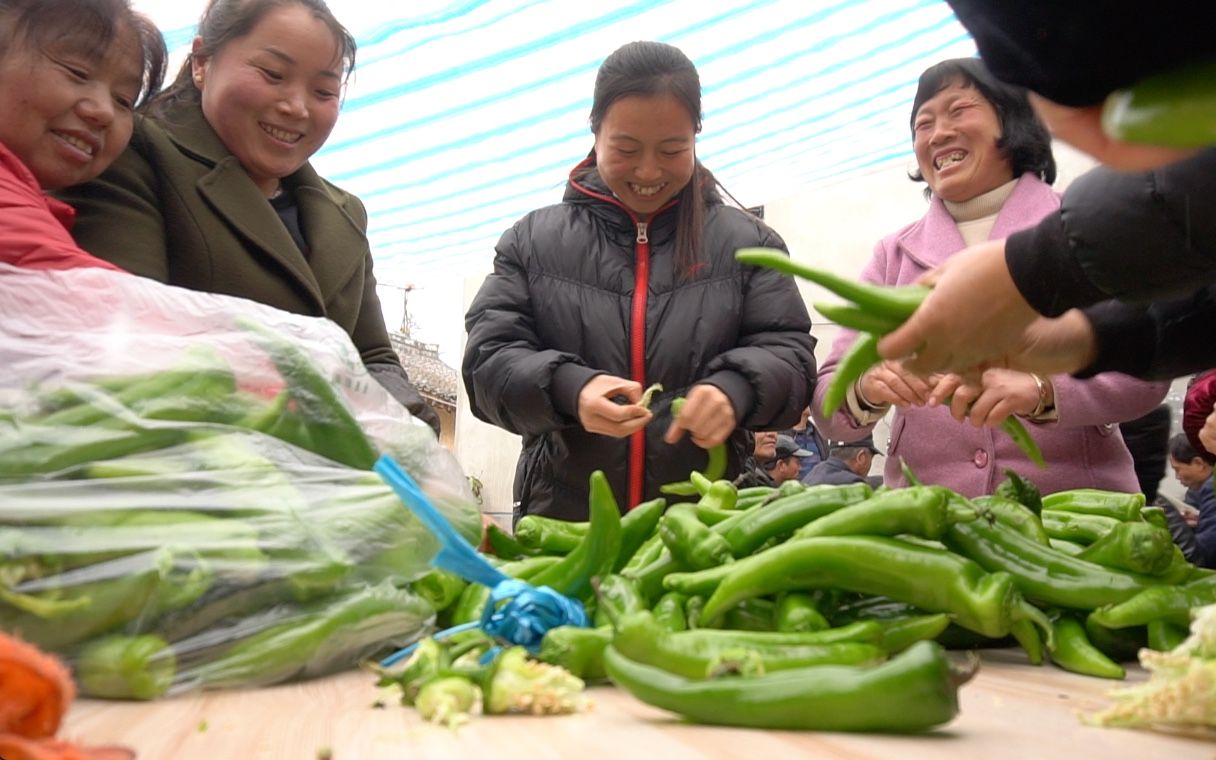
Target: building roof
(426, 370)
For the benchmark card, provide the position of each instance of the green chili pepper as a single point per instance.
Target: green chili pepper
(1076, 527)
(856, 318)
(799, 613)
(1121, 645)
(1172, 604)
(690, 541)
(637, 526)
(1014, 515)
(721, 494)
(440, 588)
(333, 429)
(918, 510)
(899, 633)
(1016, 488)
(505, 545)
(692, 611)
(784, 516)
(1017, 433)
(596, 555)
(126, 667)
(751, 615)
(1093, 501)
(648, 552)
(642, 639)
(859, 357)
(931, 579)
(1073, 651)
(861, 631)
(711, 516)
(578, 650)
(1071, 548)
(914, 691)
(472, 600)
(1175, 108)
(894, 302)
(616, 596)
(549, 534)
(1041, 573)
(669, 612)
(715, 465)
(1164, 635)
(319, 640)
(1138, 547)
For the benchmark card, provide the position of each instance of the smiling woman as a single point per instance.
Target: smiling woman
(216, 192)
(987, 162)
(71, 72)
(631, 281)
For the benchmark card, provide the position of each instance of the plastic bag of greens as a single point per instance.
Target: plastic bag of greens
(231, 560)
(182, 472)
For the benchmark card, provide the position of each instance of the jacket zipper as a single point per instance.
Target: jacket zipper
(637, 337)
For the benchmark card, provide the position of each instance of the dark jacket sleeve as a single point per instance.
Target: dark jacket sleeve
(770, 374)
(1205, 529)
(512, 381)
(396, 381)
(1136, 237)
(1160, 341)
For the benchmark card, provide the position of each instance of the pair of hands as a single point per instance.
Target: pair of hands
(983, 399)
(976, 318)
(707, 416)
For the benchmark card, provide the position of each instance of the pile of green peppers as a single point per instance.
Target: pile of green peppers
(833, 607)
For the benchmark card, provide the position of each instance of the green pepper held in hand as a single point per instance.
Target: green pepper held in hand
(914, 691)
(857, 318)
(1175, 108)
(715, 465)
(860, 356)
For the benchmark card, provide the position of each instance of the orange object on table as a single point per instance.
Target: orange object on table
(36, 690)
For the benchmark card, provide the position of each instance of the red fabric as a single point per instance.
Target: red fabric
(1195, 410)
(34, 227)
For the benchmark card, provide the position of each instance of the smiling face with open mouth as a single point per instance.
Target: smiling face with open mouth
(272, 95)
(644, 150)
(67, 113)
(955, 136)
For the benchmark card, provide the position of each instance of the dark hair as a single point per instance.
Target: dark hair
(226, 20)
(1181, 448)
(1024, 141)
(656, 68)
(91, 23)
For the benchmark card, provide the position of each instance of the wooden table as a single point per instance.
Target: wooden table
(1010, 710)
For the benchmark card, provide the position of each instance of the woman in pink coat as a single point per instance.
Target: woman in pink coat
(987, 162)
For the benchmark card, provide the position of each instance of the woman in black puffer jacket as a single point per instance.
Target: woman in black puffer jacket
(631, 280)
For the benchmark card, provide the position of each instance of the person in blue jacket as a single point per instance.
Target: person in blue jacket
(1195, 472)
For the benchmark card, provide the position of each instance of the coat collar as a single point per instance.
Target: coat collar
(233, 196)
(935, 237)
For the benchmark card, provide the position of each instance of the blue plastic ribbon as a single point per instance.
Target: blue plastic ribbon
(516, 613)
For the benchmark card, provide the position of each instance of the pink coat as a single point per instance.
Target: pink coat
(1083, 447)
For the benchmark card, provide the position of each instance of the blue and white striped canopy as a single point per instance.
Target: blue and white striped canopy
(464, 115)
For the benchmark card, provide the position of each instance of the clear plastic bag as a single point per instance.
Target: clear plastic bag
(184, 494)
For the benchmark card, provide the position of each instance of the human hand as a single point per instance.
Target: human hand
(1207, 433)
(890, 382)
(708, 417)
(973, 316)
(1062, 345)
(993, 396)
(599, 413)
(1082, 129)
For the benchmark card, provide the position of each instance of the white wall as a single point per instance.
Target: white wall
(834, 225)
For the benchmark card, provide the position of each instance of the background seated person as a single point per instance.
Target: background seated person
(847, 462)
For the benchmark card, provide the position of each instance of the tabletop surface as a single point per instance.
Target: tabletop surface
(1009, 710)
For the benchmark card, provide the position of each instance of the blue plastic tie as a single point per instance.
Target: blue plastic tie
(516, 613)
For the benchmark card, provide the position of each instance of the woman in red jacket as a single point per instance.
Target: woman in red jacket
(71, 74)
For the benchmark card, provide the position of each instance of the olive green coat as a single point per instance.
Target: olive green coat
(178, 207)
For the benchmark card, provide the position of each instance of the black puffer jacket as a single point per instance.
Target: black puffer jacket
(558, 310)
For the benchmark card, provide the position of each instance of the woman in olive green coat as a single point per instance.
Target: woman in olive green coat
(215, 192)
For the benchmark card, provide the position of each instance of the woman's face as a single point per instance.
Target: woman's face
(645, 150)
(954, 136)
(272, 95)
(65, 114)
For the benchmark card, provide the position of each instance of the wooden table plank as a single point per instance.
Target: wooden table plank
(1009, 711)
